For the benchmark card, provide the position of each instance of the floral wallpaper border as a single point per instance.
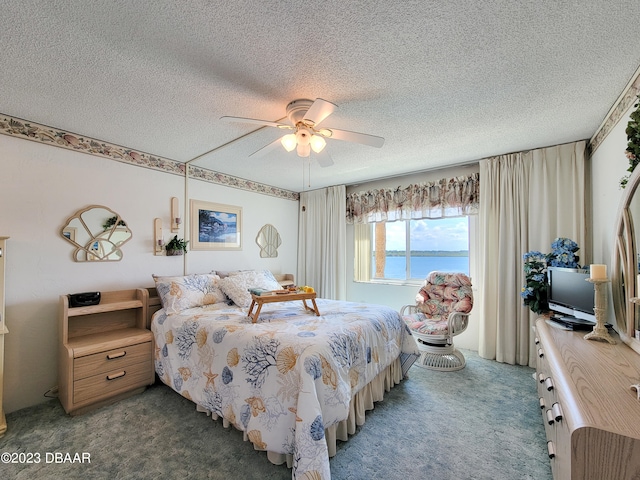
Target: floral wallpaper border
(27, 130)
(629, 98)
(236, 182)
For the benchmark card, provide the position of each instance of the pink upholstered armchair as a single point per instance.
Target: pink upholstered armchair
(441, 311)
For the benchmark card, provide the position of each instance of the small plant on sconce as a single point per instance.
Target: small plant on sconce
(176, 246)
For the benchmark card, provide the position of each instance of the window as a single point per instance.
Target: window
(410, 249)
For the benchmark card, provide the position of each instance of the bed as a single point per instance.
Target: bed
(293, 382)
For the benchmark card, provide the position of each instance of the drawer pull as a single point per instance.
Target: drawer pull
(542, 403)
(557, 411)
(540, 353)
(548, 383)
(541, 377)
(536, 340)
(116, 375)
(113, 356)
(551, 449)
(550, 419)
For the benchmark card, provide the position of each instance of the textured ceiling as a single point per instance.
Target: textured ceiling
(444, 82)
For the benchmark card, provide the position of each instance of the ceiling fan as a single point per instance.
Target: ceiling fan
(305, 117)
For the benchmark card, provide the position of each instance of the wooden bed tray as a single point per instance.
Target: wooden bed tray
(259, 300)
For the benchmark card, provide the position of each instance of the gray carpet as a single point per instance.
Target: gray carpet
(482, 422)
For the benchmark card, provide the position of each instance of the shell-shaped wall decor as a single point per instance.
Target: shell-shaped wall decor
(269, 240)
(97, 233)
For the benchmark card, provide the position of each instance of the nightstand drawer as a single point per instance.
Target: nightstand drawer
(112, 382)
(111, 360)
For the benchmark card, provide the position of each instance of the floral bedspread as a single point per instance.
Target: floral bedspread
(286, 378)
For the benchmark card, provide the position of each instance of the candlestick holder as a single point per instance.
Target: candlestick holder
(175, 215)
(600, 332)
(158, 239)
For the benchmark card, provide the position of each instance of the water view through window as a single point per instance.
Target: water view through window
(441, 244)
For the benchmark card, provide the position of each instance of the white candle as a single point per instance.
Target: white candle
(598, 272)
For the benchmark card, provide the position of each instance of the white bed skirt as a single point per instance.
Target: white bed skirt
(362, 401)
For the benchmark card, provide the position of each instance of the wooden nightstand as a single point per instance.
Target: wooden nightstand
(106, 351)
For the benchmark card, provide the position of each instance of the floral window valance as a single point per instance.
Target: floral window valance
(443, 198)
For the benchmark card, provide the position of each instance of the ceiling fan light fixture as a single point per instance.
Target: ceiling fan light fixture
(304, 150)
(304, 116)
(303, 136)
(317, 143)
(289, 141)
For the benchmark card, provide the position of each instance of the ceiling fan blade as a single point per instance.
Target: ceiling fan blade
(268, 148)
(323, 158)
(258, 122)
(346, 135)
(318, 111)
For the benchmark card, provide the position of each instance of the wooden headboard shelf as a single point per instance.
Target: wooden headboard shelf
(153, 304)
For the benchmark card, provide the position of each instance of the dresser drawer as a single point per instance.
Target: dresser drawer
(113, 382)
(111, 360)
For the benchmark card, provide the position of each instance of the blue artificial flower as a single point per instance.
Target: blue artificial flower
(533, 255)
(538, 277)
(526, 292)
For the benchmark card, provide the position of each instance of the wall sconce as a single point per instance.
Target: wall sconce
(175, 215)
(158, 240)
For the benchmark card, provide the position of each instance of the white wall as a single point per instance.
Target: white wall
(41, 186)
(257, 210)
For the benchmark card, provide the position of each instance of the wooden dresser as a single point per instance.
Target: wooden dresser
(590, 413)
(106, 351)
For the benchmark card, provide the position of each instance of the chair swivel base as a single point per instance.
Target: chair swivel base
(445, 358)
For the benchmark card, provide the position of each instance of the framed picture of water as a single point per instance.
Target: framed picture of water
(215, 226)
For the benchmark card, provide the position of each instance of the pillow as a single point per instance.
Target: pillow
(226, 273)
(237, 286)
(179, 293)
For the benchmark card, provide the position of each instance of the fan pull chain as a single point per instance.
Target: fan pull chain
(308, 166)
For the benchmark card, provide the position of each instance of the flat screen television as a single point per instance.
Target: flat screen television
(570, 295)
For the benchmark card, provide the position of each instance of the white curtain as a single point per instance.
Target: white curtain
(322, 242)
(527, 200)
(362, 252)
